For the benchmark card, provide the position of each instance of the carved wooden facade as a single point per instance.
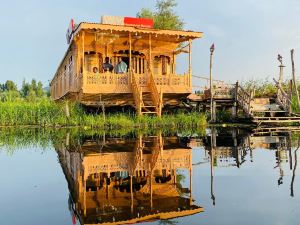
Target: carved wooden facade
(149, 83)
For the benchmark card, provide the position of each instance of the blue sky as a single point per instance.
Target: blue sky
(248, 34)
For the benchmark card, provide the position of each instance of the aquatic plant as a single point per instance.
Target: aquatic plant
(46, 113)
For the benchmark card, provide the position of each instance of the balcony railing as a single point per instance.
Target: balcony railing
(142, 79)
(111, 82)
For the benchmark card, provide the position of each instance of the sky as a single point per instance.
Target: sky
(248, 35)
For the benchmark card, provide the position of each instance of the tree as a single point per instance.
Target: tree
(25, 89)
(33, 84)
(10, 86)
(2, 87)
(164, 17)
(39, 89)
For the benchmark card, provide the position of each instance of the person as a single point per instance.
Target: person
(121, 67)
(95, 69)
(107, 66)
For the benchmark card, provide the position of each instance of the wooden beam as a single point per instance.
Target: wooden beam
(190, 62)
(83, 61)
(130, 50)
(150, 52)
(211, 85)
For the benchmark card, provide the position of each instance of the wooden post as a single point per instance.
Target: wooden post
(67, 110)
(130, 53)
(190, 62)
(150, 53)
(281, 66)
(235, 104)
(212, 112)
(83, 63)
(294, 77)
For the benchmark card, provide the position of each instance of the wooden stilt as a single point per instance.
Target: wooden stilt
(212, 48)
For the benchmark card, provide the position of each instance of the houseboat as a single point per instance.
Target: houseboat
(124, 61)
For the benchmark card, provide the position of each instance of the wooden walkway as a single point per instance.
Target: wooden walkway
(262, 110)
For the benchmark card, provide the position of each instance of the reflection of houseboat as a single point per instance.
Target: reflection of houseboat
(230, 146)
(120, 182)
(150, 80)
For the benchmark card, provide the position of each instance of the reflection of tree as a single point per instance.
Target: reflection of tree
(180, 178)
(167, 222)
(294, 170)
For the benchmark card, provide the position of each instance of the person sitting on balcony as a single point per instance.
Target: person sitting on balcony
(121, 67)
(95, 69)
(107, 66)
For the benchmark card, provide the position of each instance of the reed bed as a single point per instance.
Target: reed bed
(46, 113)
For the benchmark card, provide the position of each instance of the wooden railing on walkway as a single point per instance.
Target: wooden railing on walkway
(283, 99)
(244, 99)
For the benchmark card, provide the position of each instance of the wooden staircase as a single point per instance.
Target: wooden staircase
(266, 110)
(149, 101)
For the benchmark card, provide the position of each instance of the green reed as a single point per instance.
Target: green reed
(46, 113)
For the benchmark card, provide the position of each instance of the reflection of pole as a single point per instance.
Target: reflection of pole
(280, 179)
(290, 152)
(191, 174)
(131, 193)
(151, 191)
(212, 149)
(84, 197)
(294, 171)
(212, 111)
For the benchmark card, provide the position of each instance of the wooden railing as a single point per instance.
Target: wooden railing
(123, 79)
(155, 94)
(137, 93)
(283, 99)
(107, 79)
(224, 91)
(244, 99)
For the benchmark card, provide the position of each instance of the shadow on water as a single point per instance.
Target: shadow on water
(136, 176)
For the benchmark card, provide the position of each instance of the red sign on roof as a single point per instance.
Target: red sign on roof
(138, 22)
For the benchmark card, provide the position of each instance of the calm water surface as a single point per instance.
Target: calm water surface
(226, 176)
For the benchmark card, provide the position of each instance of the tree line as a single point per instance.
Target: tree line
(29, 91)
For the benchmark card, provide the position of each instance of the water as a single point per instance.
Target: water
(219, 176)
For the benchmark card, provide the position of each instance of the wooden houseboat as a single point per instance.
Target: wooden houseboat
(149, 80)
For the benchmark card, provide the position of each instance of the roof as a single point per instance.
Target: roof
(120, 28)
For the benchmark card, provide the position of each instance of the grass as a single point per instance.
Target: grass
(46, 113)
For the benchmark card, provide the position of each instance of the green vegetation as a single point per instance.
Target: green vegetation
(267, 88)
(164, 17)
(262, 87)
(46, 113)
(31, 106)
(29, 91)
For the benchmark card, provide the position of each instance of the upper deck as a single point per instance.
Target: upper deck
(150, 57)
